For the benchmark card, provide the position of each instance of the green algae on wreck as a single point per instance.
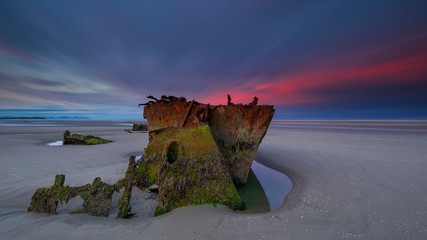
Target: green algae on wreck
(139, 127)
(193, 170)
(197, 154)
(237, 129)
(140, 175)
(97, 197)
(45, 200)
(82, 139)
(188, 169)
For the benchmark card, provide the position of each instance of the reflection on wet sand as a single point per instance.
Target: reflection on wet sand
(253, 195)
(265, 190)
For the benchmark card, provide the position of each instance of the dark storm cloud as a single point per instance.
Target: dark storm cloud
(109, 55)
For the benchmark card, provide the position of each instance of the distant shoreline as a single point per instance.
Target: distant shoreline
(49, 118)
(22, 118)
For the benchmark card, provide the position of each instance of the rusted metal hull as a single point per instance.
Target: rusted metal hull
(175, 114)
(238, 131)
(197, 154)
(236, 128)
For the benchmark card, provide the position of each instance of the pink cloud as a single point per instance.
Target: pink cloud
(301, 88)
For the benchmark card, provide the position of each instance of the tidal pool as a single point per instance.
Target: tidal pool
(265, 189)
(56, 143)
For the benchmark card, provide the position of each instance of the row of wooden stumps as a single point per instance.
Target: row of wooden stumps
(96, 196)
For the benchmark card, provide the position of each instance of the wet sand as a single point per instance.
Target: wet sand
(348, 184)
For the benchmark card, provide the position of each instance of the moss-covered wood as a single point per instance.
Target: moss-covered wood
(139, 127)
(192, 170)
(127, 183)
(82, 139)
(97, 197)
(142, 174)
(45, 200)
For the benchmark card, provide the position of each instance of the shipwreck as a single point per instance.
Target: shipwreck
(197, 154)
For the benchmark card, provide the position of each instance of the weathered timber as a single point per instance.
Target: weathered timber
(139, 127)
(96, 196)
(192, 169)
(77, 139)
(142, 174)
(254, 102)
(163, 98)
(229, 100)
(45, 200)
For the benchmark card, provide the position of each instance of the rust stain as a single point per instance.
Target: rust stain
(237, 129)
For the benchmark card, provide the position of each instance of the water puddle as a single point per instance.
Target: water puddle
(353, 128)
(56, 143)
(265, 189)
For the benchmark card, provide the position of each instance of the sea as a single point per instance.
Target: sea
(68, 122)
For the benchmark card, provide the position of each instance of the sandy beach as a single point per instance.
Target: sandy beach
(351, 181)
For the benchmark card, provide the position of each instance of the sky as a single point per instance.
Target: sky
(310, 59)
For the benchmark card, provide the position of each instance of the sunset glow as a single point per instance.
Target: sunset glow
(74, 59)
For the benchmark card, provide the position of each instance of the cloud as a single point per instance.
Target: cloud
(110, 55)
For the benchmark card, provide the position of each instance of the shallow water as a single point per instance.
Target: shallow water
(253, 195)
(56, 143)
(62, 123)
(276, 185)
(265, 189)
(370, 128)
